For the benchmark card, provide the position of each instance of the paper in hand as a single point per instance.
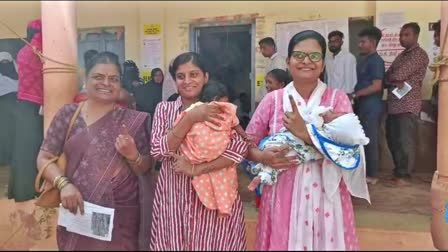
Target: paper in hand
(401, 92)
(97, 221)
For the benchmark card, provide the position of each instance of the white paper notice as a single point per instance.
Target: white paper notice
(97, 221)
(152, 52)
(389, 46)
(400, 92)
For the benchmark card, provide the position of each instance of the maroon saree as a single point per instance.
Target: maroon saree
(103, 177)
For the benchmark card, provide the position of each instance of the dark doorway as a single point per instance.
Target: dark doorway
(228, 51)
(355, 25)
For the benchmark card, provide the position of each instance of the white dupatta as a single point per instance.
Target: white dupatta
(330, 177)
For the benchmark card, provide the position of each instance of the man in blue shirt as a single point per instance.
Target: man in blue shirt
(368, 96)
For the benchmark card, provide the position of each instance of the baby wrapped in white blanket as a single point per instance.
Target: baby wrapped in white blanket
(333, 125)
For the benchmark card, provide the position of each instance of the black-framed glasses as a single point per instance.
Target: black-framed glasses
(313, 56)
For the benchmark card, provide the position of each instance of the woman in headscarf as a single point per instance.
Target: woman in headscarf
(28, 121)
(8, 93)
(310, 207)
(149, 95)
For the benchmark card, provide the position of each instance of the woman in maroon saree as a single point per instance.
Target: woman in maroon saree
(106, 149)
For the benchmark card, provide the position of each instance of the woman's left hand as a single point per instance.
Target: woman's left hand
(293, 121)
(183, 166)
(125, 144)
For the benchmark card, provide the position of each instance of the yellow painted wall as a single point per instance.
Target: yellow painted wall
(16, 15)
(113, 13)
(422, 12)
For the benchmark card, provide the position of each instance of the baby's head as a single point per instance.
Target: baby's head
(214, 91)
(329, 116)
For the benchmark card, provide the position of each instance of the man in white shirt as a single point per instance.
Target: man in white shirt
(269, 51)
(340, 64)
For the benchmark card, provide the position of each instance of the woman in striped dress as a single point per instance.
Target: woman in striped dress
(180, 220)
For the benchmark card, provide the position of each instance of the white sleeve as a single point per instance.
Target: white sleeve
(350, 73)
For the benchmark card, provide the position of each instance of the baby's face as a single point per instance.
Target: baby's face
(330, 116)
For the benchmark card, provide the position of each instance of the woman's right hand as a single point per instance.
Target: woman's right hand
(71, 199)
(275, 157)
(206, 112)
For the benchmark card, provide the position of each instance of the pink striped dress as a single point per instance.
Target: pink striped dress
(180, 220)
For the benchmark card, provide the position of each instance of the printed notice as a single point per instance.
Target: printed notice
(400, 92)
(152, 52)
(97, 221)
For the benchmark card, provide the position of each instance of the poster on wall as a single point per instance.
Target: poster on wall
(285, 31)
(152, 52)
(389, 47)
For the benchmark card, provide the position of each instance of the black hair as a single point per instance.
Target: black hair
(280, 75)
(131, 73)
(173, 97)
(103, 58)
(88, 55)
(130, 70)
(267, 41)
(213, 91)
(372, 33)
(436, 27)
(413, 26)
(304, 35)
(336, 33)
(183, 58)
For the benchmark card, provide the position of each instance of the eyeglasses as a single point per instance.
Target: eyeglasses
(313, 56)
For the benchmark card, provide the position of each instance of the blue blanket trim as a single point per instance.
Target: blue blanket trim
(322, 139)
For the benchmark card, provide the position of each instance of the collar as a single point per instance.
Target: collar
(274, 55)
(341, 52)
(412, 48)
(178, 103)
(372, 54)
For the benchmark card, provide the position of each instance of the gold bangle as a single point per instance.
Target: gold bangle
(63, 181)
(64, 185)
(60, 182)
(56, 180)
(137, 161)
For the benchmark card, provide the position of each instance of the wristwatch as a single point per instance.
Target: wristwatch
(353, 96)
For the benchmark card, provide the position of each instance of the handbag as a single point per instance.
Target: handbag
(50, 195)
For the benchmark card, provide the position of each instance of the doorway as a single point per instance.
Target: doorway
(355, 26)
(229, 53)
(101, 39)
